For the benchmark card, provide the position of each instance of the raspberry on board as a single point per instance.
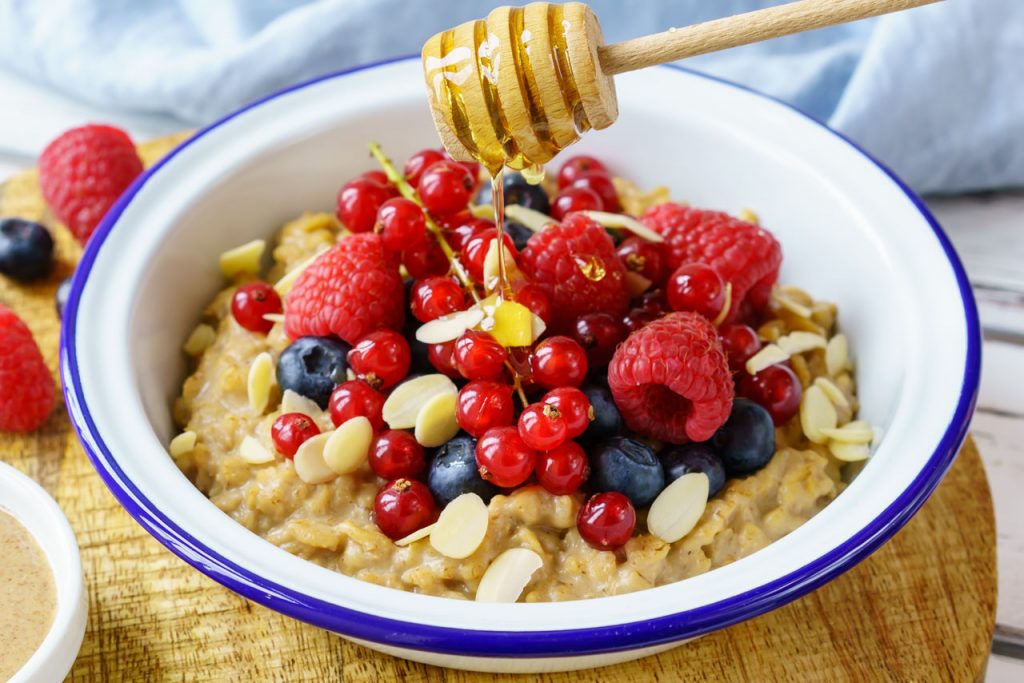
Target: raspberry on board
(574, 262)
(670, 379)
(349, 291)
(744, 254)
(27, 393)
(84, 171)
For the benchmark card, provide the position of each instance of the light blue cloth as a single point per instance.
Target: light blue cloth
(936, 92)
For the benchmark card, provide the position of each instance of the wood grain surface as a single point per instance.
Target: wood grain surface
(921, 608)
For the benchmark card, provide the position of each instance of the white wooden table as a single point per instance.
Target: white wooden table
(987, 230)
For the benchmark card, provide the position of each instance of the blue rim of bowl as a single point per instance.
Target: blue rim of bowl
(515, 644)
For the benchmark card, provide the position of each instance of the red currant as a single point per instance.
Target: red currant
(446, 187)
(601, 183)
(739, 342)
(425, 259)
(576, 166)
(251, 302)
(381, 359)
(606, 521)
(402, 507)
(575, 199)
(696, 287)
(564, 469)
(599, 334)
(400, 223)
(381, 178)
(395, 454)
(474, 251)
(358, 202)
(460, 234)
(503, 458)
(574, 406)
(655, 301)
(420, 162)
(776, 388)
(472, 167)
(639, 317)
(478, 355)
(483, 405)
(436, 296)
(643, 257)
(442, 357)
(354, 398)
(559, 362)
(542, 427)
(534, 298)
(290, 431)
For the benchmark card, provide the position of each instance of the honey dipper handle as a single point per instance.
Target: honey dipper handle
(741, 29)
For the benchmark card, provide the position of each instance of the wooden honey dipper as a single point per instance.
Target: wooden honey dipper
(516, 88)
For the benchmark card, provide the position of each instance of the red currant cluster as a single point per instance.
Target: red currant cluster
(584, 184)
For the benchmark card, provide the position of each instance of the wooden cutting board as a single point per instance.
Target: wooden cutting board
(921, 608)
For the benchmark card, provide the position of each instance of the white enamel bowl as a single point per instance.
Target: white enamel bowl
(850, 231)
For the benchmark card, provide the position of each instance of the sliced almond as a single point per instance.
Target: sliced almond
(726, 307)
(461, 528)
(201, 339)
(449, 327)
(507, 575)
(801, 342)
(274, 317)
(261, 378)
(834, 393)
(348, 446)
(484, 211)
(816, 414)
(436, 423)
(407, 399)
(622, 221)
(791, 305)
(769, 355)
(679, 507)
(530, 218)
(309, 461)
(857, 431)
(539, 326)
(837, 355)
(849, 452)
(181, 444)
(285, 284)
(244, 258)
(750, 216)
(636, 283)
(254, 452)
(415, 536)
(293, 402)
(491, 272)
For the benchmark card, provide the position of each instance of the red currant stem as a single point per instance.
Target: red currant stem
(517, 383)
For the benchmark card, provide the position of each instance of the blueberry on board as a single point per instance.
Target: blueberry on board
(607, 420)
(453, 471)
(61, 295)
(518, 191)
(26, 250)
(694, 457)
(746, 441)
(629, 467)
(519, 233)
(312, 367)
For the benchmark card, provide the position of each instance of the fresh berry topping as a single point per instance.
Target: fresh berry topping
(474, 251)
(696, 287)
(381, 178)
(425, 259)
(446, 187)
(607, 421)
(574, 262)
(534, 298)
(442, 357)
(61, 295)
(396, 454)
(26, 386)
(504, 458)
(644, 258)
(484, 405)
(740, 342)
(356, 398)
(639, 318)
(453, 471)
(460, 234)
(600, 183)
(599, 334)
(518, 191)
(746, 442)
(436, 296)
(629, 467)
(381, 359)
(542, 427)
(745, 255)
(776, 389)
(358, 203)
(26, 250)
(84, 171)
(563, 470)
(606, 521)
(558, 362)
(349, 291)
(420, 162)
(573, 199)
(670, 379)
(576, 166)
(402, 507)
(574, 407)
(312, 367)
(478, 355)
(694, 457)
(519, 233)
(400, 223)
(251, 302)
(290, 431)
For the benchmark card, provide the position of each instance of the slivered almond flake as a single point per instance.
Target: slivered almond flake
(801, 342)
(484, 211)
(538, 326)
(253, 452)
(181, 444)
(491, 275)
(724, 313)
(461, 528)
(837, 355)
(749, 216)
(436, 423)
(679, 507)
(790, 304)
(201, 339)
(767, 356)
(532, 219)
(287, 281)
(507, 575)
(834, 393)
(449, 327)
(274, 317)
(348, 446)
(403, 405)
(849, 452)
(816, 413)
(623, 222)
(244, 258)
(309, 462)
(292, 402)
(261, 378)
(415, 536)
(857, 431)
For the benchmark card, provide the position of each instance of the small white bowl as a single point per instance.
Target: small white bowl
(33, 507)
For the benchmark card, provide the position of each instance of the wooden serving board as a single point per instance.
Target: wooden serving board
(921, 608)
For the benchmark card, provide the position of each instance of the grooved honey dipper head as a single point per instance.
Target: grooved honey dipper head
(518, 87)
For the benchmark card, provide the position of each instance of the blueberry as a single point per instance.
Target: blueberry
(607, 419)
(694, 457)
(453, 472)
(26, 250)
(418, 350)
(519, 233)
(312, 367)
(61, 295)
(629, 467)
(746, 441)
(518, 191)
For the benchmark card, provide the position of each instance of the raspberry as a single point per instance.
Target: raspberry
(84, 171)
(670, 379)
(26, 386)
(575, 264)
(349, 291)
(744, 254)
